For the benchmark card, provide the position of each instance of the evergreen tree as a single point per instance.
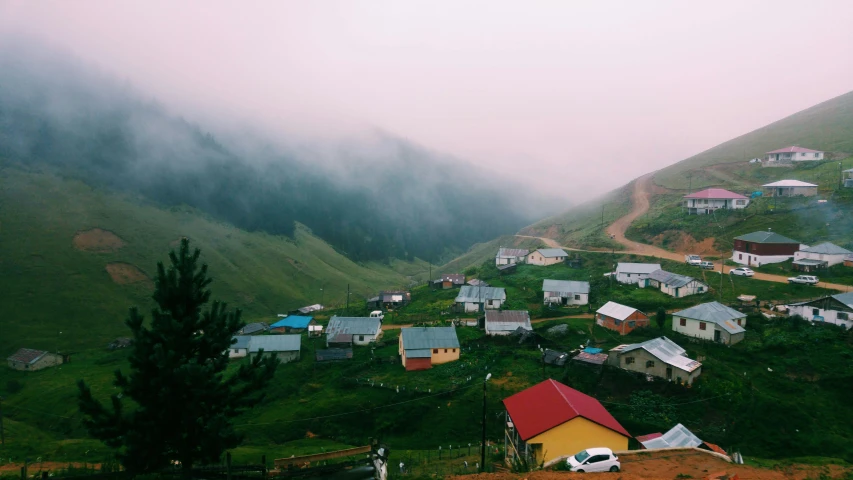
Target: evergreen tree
(660, 318)
(182, 401)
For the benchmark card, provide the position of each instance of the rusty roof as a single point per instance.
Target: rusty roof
(27, 355)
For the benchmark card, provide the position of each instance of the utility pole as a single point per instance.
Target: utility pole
(348, 299)
(602, 216)
(483, 444)
(2, 435)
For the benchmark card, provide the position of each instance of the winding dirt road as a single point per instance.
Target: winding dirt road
(640, 199)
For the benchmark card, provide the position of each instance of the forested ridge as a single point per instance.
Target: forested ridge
(387, 198)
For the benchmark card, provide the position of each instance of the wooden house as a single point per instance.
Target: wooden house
(760, 248)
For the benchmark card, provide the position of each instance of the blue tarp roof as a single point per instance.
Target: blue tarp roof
(293, 321)
(592, 350)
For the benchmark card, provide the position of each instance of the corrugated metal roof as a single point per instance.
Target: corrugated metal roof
(550, 403)
(565, 286)
(253, 328)
(789, 183)
(845, 298)
(666, 351)
(311, 308)
(242, 341)
(555, 357)
(671, 279)
(677, 436)
(552, 252)
(455, 278)
(826, 248)
(275, 343)
(809, 262)
(507, 320)
(416, 338)
(469, 294)
(512, 252)
(593, 358)
(27, 355)
(420, 352)
(476, 282)
(644, 268)
(293, 321)
(333, 354)
(353, 326)
(716, 193)
(616, 310)
(795, 150)
(714, 312)
(765, 237)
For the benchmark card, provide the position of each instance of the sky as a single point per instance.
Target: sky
(572, 98)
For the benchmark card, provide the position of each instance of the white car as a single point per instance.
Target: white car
(594, 460)
(742, 271)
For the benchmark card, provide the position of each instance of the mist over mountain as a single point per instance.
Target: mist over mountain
(373, 198)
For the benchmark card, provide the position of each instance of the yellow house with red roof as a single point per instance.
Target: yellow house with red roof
(551, 420)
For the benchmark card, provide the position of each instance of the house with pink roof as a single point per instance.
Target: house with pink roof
(712, 199)
(793, 154)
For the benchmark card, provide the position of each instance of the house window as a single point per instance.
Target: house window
(235, 350)
(700, 289)
(815, 312)
(738, 321)
(702, 325)
(650, 363)
(361, 338)
(842, 316)
(454, 350)
(683, 322)
(631, 324)
(434, 350)
(445, 350)
(740, 256)
(816, 155)
(629, 360)
(577, 297)
(740, 202)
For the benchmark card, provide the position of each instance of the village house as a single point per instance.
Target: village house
(660, 357)
(240, 347)
(848, 182)
(450, 280)
(711, 321)
(475, 299)
(848, 261)
(292, 324)
(333, 355)
(476, 282)
(389, 299)
(620, 318)
(760, 248)
(677, 437)
(835, 309)
(820, 256)
(550, 420)
(712, 199)
(673, 284)
(547, 256)
(30, 360)
(790, 188)
(306, 310)
(422, 347)
(631, 273)
(349, 331)
(510, 256)
(792, 154)
(565, 292)
(506, 321)
(256, 328)
(284, 347)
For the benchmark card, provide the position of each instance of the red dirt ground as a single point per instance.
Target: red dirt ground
(125, 273)
(97, 240)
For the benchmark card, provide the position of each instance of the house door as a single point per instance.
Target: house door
(565, 301)
(716, 335)
(669, 373)
(676, 292)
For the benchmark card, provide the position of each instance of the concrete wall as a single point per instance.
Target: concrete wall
(641, 357)
(535, 258)
(695, 205)
(751, 259)
(829, 316)
(48, 360)
(691, 288)
(630, 278)
(573, 436)
(829, 259)
(237, 352)
(583, 298)
(692, 329)
(284, 357)
(508, 260)
(365, 339)
(444, 355)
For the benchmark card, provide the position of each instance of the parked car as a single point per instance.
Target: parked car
(377, 314)
(804, 279)
(707, 265)
(594, 460)
(693, 259)
(742, 271)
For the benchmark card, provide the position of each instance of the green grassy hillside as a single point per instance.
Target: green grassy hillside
(59, 297)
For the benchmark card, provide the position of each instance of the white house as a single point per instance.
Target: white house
(711, 321)
(471, 298)
(660, 357)
(793, 154)
(836, 309)
(565, 292)
(506, 321)
(285, 347)
(760, 248)
(674, 285)
(825, 252)
(790, 188)
(509, 256)
(712, 199)
(240, 348)
(848, 182)
(547, 256)
(632, 273)
(350, 331)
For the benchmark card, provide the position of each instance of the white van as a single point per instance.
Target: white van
(377, 314)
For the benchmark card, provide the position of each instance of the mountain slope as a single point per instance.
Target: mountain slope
(59, 294)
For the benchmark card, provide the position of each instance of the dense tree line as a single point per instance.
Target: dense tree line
(410, 204)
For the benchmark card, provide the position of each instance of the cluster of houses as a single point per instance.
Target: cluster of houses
(508, 257)
(761, 248)
(650, 275)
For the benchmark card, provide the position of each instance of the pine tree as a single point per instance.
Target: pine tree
(660, 317)
(182, 400)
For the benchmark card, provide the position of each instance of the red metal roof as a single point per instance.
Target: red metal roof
(549, 404)
(714, 193)
(795, 150)
(714, 448)
(645, 438)
(27, 355)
